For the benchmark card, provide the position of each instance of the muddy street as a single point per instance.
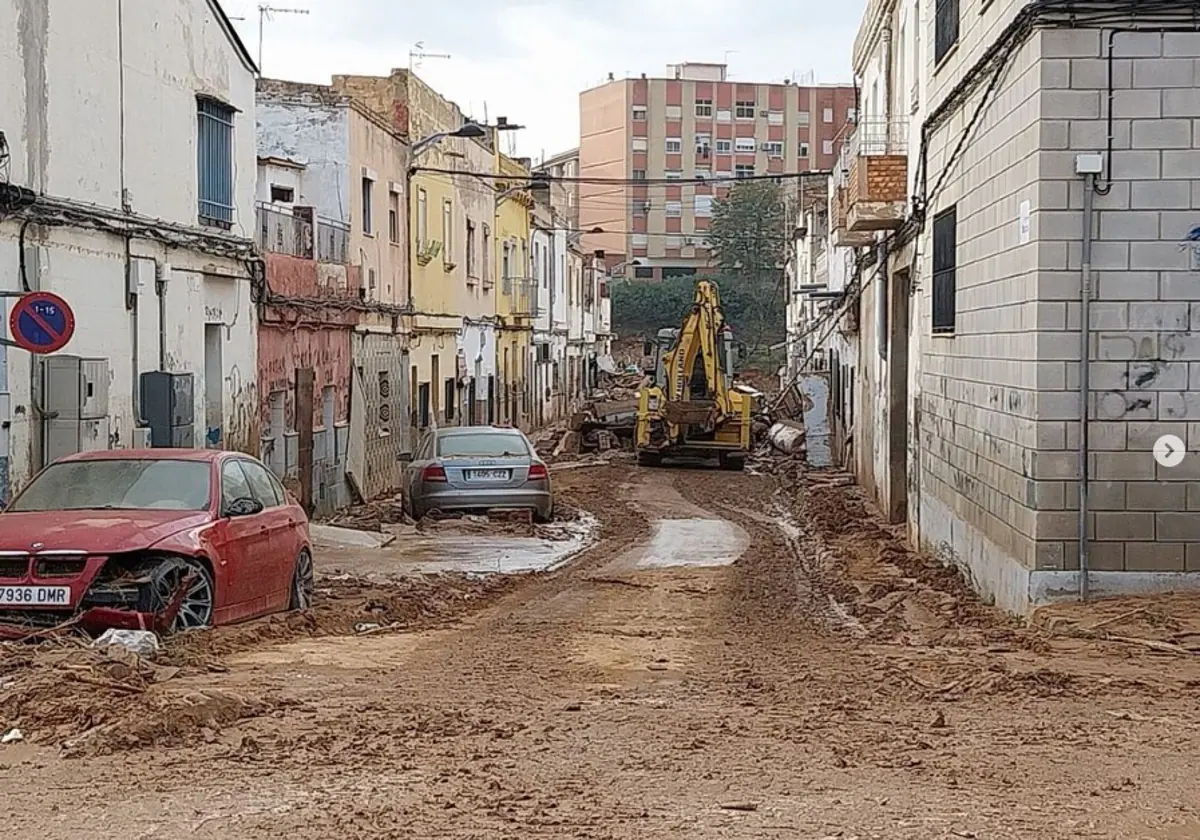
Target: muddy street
(722, 659)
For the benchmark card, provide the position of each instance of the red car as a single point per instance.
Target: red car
(159, 539)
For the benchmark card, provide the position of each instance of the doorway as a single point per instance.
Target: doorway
(897, 370)
(214, 385)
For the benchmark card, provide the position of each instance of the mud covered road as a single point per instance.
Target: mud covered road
(725, 661)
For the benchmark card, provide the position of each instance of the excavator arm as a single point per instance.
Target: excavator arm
(699, 344)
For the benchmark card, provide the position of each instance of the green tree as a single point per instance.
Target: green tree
(749, 242)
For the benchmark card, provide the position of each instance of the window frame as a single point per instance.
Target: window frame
(216, 123)
(368, 206)
(944, 281)
(947, 25)
(704, 108)
(677, 142)
(744, 109)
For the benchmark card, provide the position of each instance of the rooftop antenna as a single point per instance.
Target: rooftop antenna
(264, 14)
(485, 116)
(417, 53)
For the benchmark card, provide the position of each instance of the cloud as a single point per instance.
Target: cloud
(528, 61)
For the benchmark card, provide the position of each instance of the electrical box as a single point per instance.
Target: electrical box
(167, 406)
(74, 405)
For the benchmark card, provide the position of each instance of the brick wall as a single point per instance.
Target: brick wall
(883, 178)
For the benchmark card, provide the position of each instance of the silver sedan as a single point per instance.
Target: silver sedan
(477, 468)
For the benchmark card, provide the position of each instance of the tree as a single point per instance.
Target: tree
(749, 242)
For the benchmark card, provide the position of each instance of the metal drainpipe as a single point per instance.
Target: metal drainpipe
(1089, 183)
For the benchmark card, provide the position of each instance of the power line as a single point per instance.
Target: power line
(562, 179)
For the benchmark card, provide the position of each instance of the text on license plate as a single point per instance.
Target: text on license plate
(487, 475)
(35, 596)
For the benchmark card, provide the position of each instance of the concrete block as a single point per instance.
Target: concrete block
(1109, 376)
(1177, 164)
(1194, 376)
(1057, 525)
(1138, 45)
(1127, 285)
(1136, 166)
(1154, 557)
(1056, 405)
(1195, 195)
(1050, 435)
(1156, 496)
(1107, 435)
(1129, 225)
(1181, 45)
(1125, 346)
(1102, 495)
(1157, 376)
(1169, 317)
(1156, 256)
(1174, 225)
(1194, 317)
(1114, 526)
(1108, 316)
(1137, 104)
(1162, 134)
(1193, 496)
(1092, 135)
(1191, 558)
(1051, 555)
(1123, 466)
(1053, 135)
(1092, 73)
(1057, 346)
(1179, 285)
(1164, 73)
(1057, 285)
(1158, 195)
(1180, 347)
(1142, 436)
(1124, 405)
(1046, 495)
(1102, 557)
(1179, 405)
(1107, 256)
(1181, 102)
(1178, 526)
(1050, 466)
(1055, 74)
(1071, 104)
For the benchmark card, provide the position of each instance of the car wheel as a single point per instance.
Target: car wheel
(302, 583)
(196, 609)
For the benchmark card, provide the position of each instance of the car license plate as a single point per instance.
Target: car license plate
(35, 596)
(488, 475)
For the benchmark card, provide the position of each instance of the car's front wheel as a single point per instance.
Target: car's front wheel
(199, 599)
(302, 583)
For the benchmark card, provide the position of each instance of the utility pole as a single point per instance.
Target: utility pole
(264, 14)
(417, 53)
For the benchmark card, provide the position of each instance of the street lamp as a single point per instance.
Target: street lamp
(469, 130)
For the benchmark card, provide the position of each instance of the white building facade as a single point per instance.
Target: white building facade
(143, 228)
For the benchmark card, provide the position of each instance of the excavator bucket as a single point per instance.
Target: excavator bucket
(689, 413)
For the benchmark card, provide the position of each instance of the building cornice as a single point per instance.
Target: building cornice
(874, 21)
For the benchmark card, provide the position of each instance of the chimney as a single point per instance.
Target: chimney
(501, 122)
(610, 77)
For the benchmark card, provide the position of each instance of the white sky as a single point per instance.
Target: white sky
(528, 61)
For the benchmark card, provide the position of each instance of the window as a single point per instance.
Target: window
(774, 148)
(743, 170)
(827, 147)
(724, 147)
(506, 268)
(261, 484)
(487, 255)
(674, 241)
(422, 220)
(282, 195)
(703, 143)
(447, 233)
(827, 115)
(803, 150)
(702, 173)
(945, 29)
(449, 395)
(775, 118)
(643, 272)
(368, 194)
(703, 205)
(945, 265)
(673, 208)
(674, 112)
(423, 406)
(234, 484)
(704, 108)
(673, 174)
(744, 145)
(640, 240)
(803, 118)
(118, 483)
(394, 216)
(472, 260)
(639, 174)
(639, 144)
(882, 280)
(674, 145)
(639, 114)
(214, 162)
(743, 109)
(724, 115)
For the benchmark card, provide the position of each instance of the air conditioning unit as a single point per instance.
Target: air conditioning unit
(765, 147)
(764, 113)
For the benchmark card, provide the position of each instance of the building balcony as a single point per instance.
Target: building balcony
(299, 232)
(521, 296)
(839, 213)
(877, 181)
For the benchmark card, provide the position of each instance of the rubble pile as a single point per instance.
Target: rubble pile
(372, 515)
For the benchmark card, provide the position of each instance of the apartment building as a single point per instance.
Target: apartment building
(691, 126)
(1007, 409)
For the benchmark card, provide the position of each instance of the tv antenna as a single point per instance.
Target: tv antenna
(264, 14)
(417, 53)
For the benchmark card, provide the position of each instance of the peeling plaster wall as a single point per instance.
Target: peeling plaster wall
(69, 144)
(312, 129)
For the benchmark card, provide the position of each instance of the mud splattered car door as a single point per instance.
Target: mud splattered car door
(236, 538)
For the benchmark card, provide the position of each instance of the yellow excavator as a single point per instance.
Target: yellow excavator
(689, 408)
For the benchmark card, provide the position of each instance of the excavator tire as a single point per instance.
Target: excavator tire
(649, 459)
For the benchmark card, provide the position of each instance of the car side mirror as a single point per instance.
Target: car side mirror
(244, 506)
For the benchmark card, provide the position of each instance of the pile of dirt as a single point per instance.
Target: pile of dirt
(372, 515)
(98, 700)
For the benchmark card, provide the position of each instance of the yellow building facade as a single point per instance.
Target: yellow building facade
(516, 303)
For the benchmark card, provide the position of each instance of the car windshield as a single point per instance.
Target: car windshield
(132, 484)
(482, 445)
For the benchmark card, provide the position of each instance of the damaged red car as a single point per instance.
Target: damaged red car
(159, 539)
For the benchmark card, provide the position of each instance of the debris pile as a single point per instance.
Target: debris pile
(372, 515)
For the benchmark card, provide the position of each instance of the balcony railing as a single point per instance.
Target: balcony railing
(283, 230)
(522, 296)
(879, 136)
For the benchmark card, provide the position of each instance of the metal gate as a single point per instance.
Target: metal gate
(379, 416)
